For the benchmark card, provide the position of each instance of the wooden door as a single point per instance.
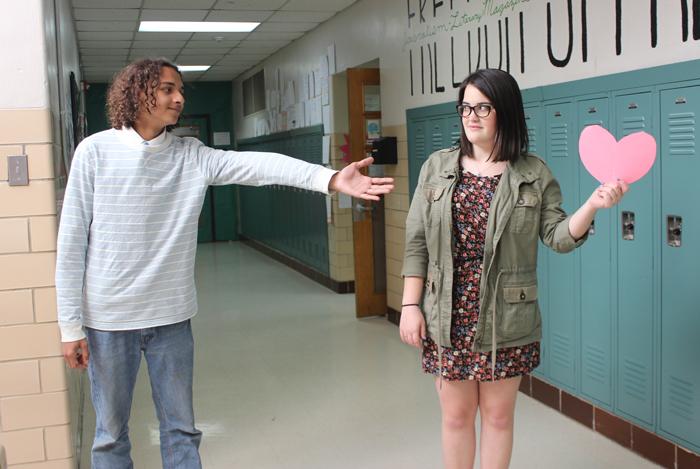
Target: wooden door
(368, 217)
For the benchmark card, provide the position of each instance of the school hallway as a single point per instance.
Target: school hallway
(286, 377)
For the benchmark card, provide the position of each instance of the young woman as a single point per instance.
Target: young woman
(470, 263)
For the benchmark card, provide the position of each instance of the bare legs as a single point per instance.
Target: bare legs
(459, 401)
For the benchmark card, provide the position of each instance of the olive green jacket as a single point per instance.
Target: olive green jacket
(526, 204)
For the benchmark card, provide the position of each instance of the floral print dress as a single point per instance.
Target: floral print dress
(470, 209)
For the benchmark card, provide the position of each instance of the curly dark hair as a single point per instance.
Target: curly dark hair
(123, 97)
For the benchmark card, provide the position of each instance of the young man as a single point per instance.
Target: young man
(126, 251)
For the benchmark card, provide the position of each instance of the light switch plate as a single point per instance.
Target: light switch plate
(17, 172)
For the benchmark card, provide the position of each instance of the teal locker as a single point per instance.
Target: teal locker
(534, 119)
(596, 279)
(680, 253)
(563, 292)
(418, 148)
(635, 270)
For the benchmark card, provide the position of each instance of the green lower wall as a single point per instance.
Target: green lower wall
(289, 220)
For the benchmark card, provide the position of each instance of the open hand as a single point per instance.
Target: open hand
(352, 182)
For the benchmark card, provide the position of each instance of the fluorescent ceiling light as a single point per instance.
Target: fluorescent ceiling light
(197, 26)
(193, 68)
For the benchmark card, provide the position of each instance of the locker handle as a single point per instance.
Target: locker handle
(592, 110)
(674, 231)
(591, 229)
(557, 114)
(628, 226)
(632, 106)
(681, 100)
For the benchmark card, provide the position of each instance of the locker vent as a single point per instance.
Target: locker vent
(561, 350)
(594, 364)
(559, 136)
(419, 141)
(680, 398)
(681, 127)
(532, 136)
(455, 132)
(633, 124)
(436, 137)
(634, 380)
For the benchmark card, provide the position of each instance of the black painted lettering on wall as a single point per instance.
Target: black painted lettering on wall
(584, 31)
(438, 87)
(455, 84)
(436, 4)
(478, 50)
(507, 47)
(421, 4)
(430, 59)
(411, 14)
(685, 19)
(486, 46)
(410, 66)
(654, 17)
(522, 43)
(422, 72)
(618, 27)
(560, 62)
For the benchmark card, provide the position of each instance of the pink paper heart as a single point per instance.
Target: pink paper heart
(608, 160)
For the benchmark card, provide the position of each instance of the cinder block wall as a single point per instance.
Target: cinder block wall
(34, 409)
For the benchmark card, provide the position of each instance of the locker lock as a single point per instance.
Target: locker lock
(674, 230)
(628, 226)
(591, 229)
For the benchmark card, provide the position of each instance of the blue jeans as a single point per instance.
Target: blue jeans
(114, 362)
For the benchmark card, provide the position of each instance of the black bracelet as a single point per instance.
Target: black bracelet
(410, 304)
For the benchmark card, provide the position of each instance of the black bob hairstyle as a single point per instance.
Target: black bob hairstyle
(503, 92)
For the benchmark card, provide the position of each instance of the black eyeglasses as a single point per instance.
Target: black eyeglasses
(481, 110)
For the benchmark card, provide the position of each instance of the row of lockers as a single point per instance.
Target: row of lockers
(622, 313)
(289, 220)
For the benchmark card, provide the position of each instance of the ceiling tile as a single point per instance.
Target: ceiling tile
(315, 5)
(239, 15)
(173, 15)
(286, 27)
(169, 54)
(105, 36)
(106, 25)
(249, 4)
(179, 4)
(105, 14)
(215, 36)
(92, 51)
(255, 47)
(197, 59)
(106, 4)
(301, 16)
(208, 50)
(158, 44)
(277, 44)
(210, 43)
(105, 44)
(273, 35)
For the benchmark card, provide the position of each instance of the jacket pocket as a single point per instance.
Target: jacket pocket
(519, 317)
(525, 213)
(433, 194)
(430, 294)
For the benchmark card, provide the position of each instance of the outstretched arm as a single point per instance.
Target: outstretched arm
(352, 182)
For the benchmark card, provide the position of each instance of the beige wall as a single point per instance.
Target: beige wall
(34, 410)
(34, 417)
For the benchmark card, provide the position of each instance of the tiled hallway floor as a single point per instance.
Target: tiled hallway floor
(286, 377)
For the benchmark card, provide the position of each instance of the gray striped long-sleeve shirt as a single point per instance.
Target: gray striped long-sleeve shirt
(128, 231)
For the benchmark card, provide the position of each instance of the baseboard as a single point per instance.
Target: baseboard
(315, 275)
